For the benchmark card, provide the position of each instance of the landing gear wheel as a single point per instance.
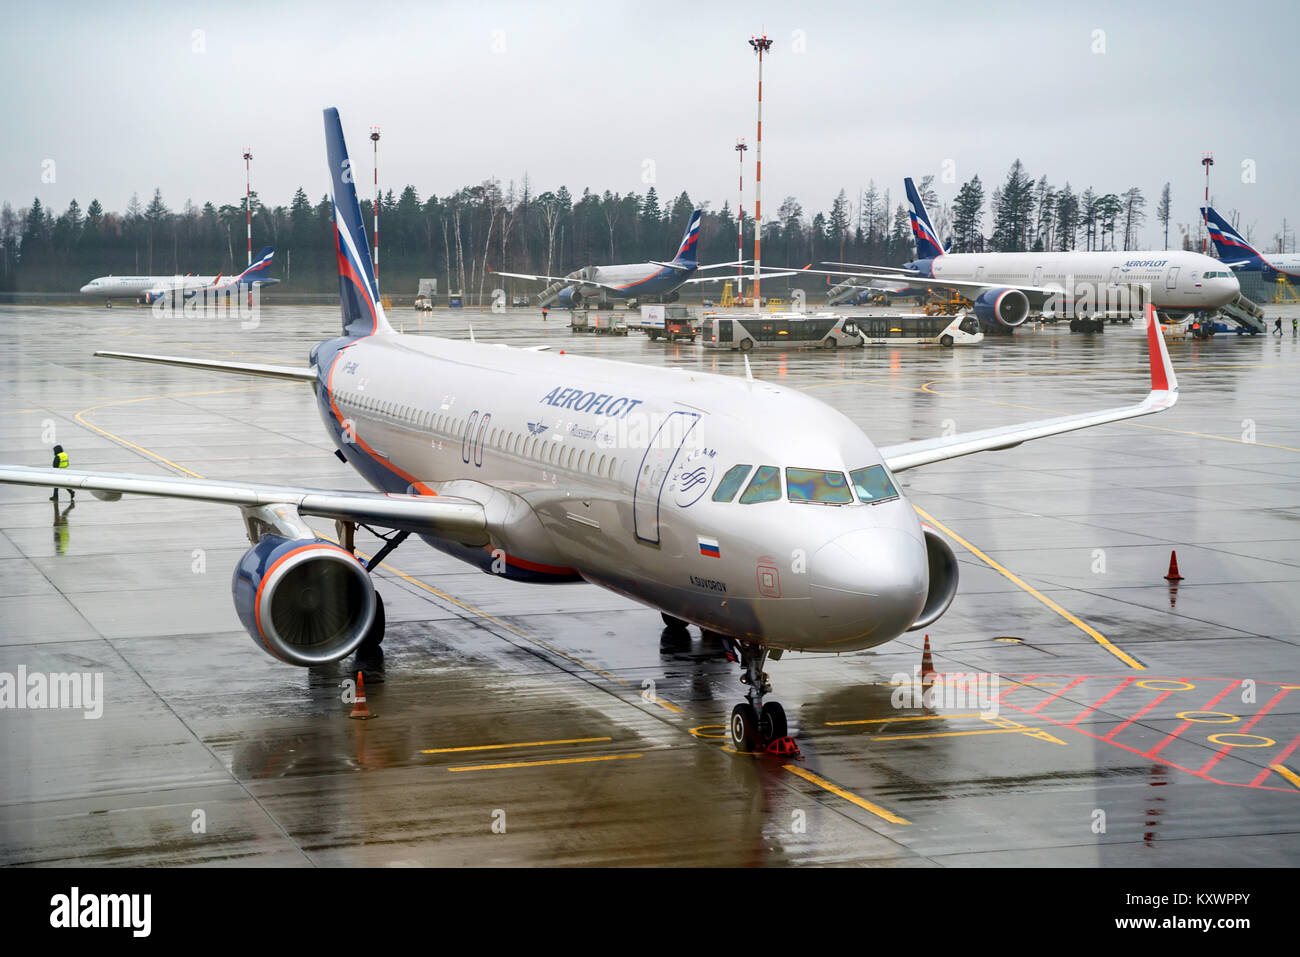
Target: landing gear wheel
(771, 722)
(744, 728)
(375, 636)
(674, 624)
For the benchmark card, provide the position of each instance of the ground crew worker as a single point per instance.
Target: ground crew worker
(1277, 326)
(543, 313)
(61, 462)
(1294, 322)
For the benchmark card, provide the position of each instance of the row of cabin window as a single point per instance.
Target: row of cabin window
(602, 466)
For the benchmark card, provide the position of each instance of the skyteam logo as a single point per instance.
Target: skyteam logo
(692, 476)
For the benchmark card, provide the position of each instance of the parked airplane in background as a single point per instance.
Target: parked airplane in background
(680, 489)
(641, 281)
(1003, 287)
(149, 289)
(1241, 256)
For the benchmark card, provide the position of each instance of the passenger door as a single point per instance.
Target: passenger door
(656, 464)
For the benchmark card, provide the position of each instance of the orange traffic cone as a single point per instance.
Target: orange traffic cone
(1173, 575)
(927, 666)
(359, 709)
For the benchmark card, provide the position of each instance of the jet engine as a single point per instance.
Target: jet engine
(943, 579)
(304, 601)
(569, 298)
(1006, 307)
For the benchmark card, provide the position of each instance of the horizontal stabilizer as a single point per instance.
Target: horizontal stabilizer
(292, 373)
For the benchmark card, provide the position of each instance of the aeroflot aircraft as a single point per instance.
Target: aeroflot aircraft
(635, 280)
(1241, 256)
(1003, 286)
(149, 289)
(686, 491)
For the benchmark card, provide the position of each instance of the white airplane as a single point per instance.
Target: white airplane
(685, 491)
(1004, 286)
(642, 281)
(149, 289)
(1240, 256)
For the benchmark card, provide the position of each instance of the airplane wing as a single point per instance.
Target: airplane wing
(292, 373)
(766, 275)
(968, 288)
(570, 281)
(458, 519)
(1163, 395)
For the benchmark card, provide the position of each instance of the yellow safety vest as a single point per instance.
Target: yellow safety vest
(63, 459)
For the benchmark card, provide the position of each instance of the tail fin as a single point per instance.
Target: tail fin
(927, 240)
(690, 241)
(363, 314)
(257, 272)
(1231, 245)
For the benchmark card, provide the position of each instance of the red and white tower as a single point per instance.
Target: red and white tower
(740, 218)
(374, 138)
(248, 199)
(1207, 160)
(761, 45)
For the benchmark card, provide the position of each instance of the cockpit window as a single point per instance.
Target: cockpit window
(731, 483)
(765, 486)
(873, 485)
(813, 485)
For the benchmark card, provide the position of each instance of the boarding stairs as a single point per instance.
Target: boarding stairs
(1245, 313)
(842, 291)
(552, 292)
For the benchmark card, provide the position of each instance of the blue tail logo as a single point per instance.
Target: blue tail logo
(686, 254)
(1231, 245)
(260, 268)
(927, 240)
(363, 315)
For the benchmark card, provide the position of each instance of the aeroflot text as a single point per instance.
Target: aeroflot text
(596, 403)
(103, 910)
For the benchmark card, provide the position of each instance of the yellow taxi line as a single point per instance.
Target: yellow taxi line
(1287, 773)
(516, 744)
(538, 764)
(1083, 626)
(849, 796)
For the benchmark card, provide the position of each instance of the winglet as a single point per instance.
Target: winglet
(1163, 379)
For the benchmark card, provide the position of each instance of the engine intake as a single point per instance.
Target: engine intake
(1006, 307)
(943, 579)
(303, 601)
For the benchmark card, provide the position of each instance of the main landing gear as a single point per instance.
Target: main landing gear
(369, 653)
(757, 725)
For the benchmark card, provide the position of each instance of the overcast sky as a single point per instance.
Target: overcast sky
(127, 97)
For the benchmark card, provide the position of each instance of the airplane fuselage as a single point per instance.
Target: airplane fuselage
(636, 280)
(599, 470)
(1179, 281)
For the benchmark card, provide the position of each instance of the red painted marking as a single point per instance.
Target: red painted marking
(1159, 382)
(1244, 729)
(1121, 727)
(1100, 701)
(1187, 724)
(1003, 696)
(1046, 701)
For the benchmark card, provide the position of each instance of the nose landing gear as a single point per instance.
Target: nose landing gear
(757, 725)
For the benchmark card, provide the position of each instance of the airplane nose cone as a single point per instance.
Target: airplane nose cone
(869, 583)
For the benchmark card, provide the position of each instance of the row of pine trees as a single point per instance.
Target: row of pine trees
(461, 238)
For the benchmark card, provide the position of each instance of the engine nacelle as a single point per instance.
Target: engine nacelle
(1006, 307)
(569, 298)
(305, 601)
(943, 578)
(149, 298)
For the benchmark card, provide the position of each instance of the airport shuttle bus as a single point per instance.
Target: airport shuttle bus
(947, 331)
(745, 331)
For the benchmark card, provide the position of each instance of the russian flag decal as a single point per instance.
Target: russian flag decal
(709, 547)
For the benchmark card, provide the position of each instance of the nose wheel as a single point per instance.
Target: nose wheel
(757, 725)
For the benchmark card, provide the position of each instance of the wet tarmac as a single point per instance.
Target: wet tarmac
(1133, 723)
